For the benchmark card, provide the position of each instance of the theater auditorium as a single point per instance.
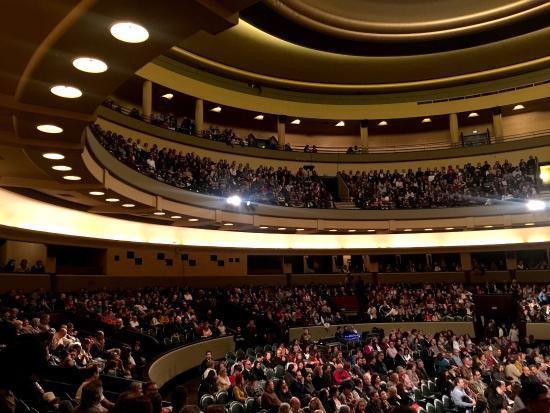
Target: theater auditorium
(275, 206)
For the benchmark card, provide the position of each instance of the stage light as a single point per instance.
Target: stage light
(234, 200)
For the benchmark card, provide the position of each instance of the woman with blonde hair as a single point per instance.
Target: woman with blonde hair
(222, 380)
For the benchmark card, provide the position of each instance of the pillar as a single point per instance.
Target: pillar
(498, 131)
(281, 130)
(453, 129)
(199, 116)
(147, 99)
(364, 125)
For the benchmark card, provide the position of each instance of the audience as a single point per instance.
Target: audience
(379, 372)
(445, 187)
(269, 185)
(449, 186)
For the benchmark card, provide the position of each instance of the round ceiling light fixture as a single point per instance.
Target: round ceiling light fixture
(90, 65)
(96, 193)
(112, 200)
(62, 168)
(129, 32)
(53, 156)
(72, 178)
(47, 128)
(64, 91)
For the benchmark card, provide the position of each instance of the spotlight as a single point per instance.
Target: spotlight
(536, 205)
(234, 200)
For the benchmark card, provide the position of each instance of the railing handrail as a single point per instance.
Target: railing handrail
(438, 145)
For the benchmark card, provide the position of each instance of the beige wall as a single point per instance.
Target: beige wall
(419, 277)
(458, 327)
(205, 266)
(409, 139)
(185, 358)
(324, 141)
(17, 250)
(521, 123)
(25, 282)
(541, 331)
(118, 263)
(325, 168)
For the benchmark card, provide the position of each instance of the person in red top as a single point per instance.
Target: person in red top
(341, 374)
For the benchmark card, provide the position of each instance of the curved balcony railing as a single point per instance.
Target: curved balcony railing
(271, 144)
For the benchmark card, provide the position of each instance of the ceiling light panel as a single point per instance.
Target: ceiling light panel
(129, 32)
(90, 65)
(64, 91)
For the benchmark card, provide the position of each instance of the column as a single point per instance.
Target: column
(453, 129)
(497, 124)
(147, 99)
(364, 127)
(199, 116)
(281, 130)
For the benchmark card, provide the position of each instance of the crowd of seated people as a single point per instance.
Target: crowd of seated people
(446, 187)
(535, 303)
(23, 267)
(190, 315)
(419, 264)
(541, 264)
(278, 186)
(383, 373)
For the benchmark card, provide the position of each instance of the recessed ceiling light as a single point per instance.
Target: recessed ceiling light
(228, 224)
(296, 122)
(193, 219)
(159, 213)
(426, 120)
(473, 115)
(529, 224)
(474, 131)
(263, 227)
(129, 32)
(282, 229)
(383, 123)
(371, 230)
(90, 65)
(176, 217)
(428, 229)
(62, 168)
(96, 193)
(259, 117)
(53, 156)
(217, 109)
(49, 128)
(407, 230)
(487, 226)
(352, 230)
(168, 96)
(519, 107)
(449, 228)
(341, 123)
(112, 200)
(72, 178)
(299, 229)
(332, 230)
(64, 91)
(128, 205)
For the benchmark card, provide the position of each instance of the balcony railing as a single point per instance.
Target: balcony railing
(270, 143)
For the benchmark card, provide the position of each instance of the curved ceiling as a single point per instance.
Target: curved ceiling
(368, 45)
(41, 39)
